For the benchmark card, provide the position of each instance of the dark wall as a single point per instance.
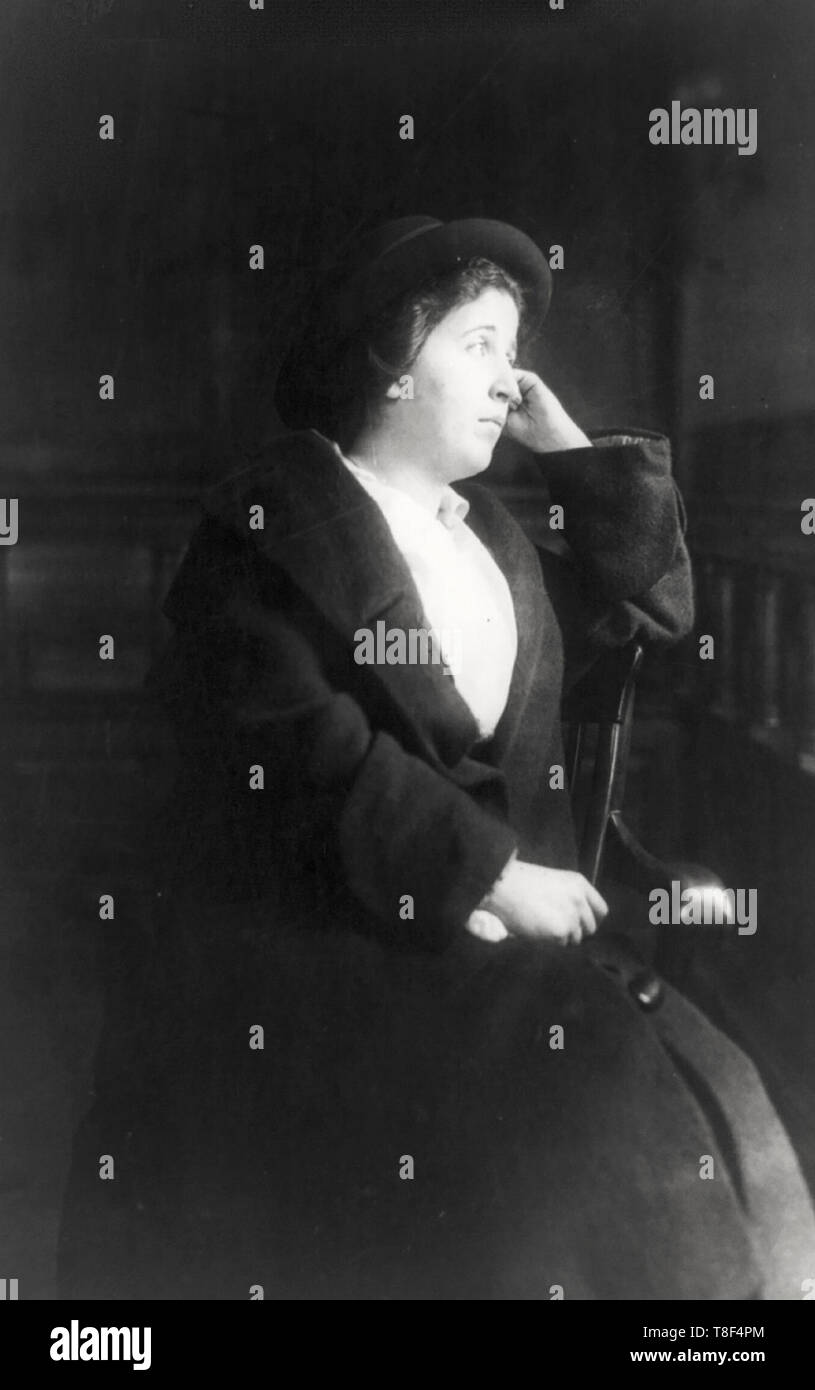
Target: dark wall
(132, 255)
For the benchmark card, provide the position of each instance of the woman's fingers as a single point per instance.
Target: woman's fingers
(526, 381)
(593, 908)
(588, 924)
(486, 925)
(597, 902)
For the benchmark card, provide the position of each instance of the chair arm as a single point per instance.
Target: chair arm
(628, 862)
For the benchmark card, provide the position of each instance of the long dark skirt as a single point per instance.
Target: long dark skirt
(493, 1122)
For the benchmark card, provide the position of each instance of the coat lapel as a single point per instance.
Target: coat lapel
(325, 531)
(539, 655)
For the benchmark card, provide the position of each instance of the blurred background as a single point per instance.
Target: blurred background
(280, 127)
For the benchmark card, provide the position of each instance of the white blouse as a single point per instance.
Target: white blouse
(465, 596)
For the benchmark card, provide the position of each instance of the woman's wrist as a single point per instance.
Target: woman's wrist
(497, 899)
(561, 432)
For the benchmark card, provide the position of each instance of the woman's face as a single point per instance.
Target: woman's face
(462, 385)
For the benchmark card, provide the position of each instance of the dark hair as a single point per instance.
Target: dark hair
(396, 336)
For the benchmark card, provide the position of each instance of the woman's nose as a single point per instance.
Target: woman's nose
(505, 387)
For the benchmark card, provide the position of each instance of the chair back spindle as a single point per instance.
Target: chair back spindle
(604, 699)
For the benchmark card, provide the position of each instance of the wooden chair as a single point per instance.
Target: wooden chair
(598, 716)
(604, 699)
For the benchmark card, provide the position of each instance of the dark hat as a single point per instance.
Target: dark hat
(380, 269)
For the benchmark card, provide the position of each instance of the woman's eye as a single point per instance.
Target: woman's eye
(479, 343)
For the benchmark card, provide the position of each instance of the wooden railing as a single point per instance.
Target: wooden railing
(762, 678)
(755, 576)
(90, 559)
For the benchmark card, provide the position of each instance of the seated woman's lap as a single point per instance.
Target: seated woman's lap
(496, 1118)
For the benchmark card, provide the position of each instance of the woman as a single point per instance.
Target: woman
(384, 1053)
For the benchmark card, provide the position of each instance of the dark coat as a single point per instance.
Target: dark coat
(387, 1036)
(375, 786)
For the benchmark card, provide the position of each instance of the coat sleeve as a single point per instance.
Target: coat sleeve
(626, 572)
(398, 825)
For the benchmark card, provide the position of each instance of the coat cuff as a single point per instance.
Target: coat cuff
(621, 515)
(487, 901)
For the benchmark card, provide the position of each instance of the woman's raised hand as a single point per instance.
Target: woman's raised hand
(537, 420)
(546, 904)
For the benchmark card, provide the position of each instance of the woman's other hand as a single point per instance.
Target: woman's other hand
(546, 904)
(537, 420)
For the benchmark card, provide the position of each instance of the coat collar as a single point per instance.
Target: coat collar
(452, 506)
(327, 533)
(319, 524)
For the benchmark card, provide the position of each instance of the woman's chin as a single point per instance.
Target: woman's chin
(472, 465)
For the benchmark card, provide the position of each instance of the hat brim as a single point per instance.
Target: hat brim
(441, 248)
(341, 310)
